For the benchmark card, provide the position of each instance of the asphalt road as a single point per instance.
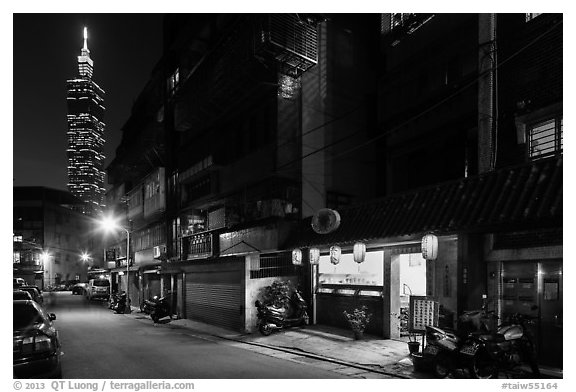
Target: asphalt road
(99, 344)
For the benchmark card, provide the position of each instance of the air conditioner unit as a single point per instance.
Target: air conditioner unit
(159, 251)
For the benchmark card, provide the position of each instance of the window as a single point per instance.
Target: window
(273, 265)
(545, 138)
(173, 82)
(529, 17)
(17, 238)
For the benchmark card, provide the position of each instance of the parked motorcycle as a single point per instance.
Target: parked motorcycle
(159, 307)
(148, 304)
(509, 347)
(121, 303)
(271, 318)
(113, 300)
(443, 345)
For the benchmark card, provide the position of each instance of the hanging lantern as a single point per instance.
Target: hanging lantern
(314, 256)
(359, 252)
(429, 247)
(335, 253)
(297, 257)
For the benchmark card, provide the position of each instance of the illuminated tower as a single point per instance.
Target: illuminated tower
(85, 101)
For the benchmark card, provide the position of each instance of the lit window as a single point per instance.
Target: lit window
(545, 138)
(17, 238)
(173, 81)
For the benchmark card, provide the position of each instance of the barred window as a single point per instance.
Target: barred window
(529, 17)
(545, 138)
(273, 265)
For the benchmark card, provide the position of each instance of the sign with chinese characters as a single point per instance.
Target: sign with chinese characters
(423, 312)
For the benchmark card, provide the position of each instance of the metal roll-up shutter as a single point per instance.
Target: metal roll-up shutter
(216, 297)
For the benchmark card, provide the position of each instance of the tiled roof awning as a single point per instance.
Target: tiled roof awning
(515, 198)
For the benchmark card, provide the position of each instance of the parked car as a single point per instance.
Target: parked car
(34, 292)
(79, 288)
(36, 345)
(98, 289)
(22, 295)
(17, 282)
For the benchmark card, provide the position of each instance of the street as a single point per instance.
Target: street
(97, 343)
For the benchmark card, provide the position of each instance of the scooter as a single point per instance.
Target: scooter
(443, 346)
(113, 300)
(510, 347)
(148, 304)
(120, 306)
(159, 308)
(271, 318)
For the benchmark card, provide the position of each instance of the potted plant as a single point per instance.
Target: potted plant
(358, 319)
(413, 343)
(277, 294)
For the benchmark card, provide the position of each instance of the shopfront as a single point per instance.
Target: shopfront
(383, 282)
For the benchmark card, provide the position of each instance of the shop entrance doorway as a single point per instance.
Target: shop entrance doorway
(526, 285)
(412, 281)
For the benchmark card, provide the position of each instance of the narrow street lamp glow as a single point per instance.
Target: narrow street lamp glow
(85, 257)
(108, 223)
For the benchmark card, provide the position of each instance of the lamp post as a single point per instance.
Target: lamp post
(45, 258)
(110, 224)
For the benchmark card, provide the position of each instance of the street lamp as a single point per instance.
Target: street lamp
(45, 258)
(110, 224)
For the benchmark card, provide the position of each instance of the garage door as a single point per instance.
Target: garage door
(216, 297)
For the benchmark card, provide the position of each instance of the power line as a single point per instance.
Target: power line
(429, 109)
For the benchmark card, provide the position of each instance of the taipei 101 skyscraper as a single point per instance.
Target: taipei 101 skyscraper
(85, 101)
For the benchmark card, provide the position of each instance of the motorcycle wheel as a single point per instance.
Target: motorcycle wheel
(441, 366)
(483, 366)
(155, 317)
(265, 329)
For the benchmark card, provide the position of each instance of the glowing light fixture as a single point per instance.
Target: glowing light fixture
(297, 257)
(314, 256)
(429, 247)
(335, 253)
(359, 252)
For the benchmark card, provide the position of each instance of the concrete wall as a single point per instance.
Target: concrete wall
(254, 291)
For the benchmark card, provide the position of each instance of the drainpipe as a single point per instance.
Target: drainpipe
(486, 92)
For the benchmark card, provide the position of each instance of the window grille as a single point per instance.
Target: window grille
(273, 265)
(530, 17)
(545, 138)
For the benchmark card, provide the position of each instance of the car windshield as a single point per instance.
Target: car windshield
(25, 315)
(101, 283)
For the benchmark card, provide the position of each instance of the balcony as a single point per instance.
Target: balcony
(291, 40)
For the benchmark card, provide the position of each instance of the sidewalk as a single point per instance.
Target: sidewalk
(326, 343)
(336, 345)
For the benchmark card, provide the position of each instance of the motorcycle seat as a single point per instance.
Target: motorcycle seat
(274, 309)
(493, 338)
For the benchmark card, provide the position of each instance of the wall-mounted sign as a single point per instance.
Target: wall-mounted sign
(110, 254)
(424, 310)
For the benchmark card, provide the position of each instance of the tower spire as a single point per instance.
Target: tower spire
(85, 39)
(85, 63)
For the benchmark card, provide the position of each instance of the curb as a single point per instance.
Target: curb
(318, 357)
(286, 350)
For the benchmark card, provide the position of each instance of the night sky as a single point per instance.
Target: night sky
(124, 47)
